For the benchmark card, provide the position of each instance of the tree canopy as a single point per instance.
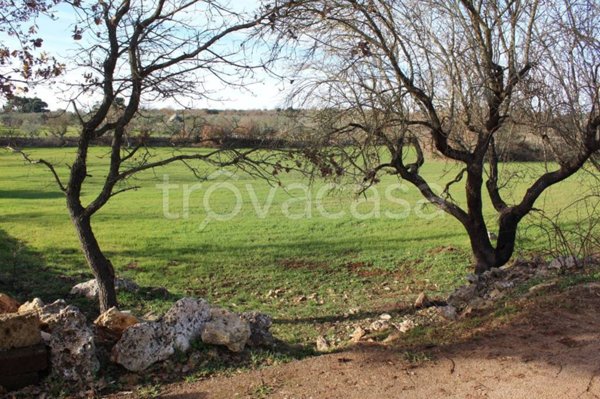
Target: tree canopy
(26, 105)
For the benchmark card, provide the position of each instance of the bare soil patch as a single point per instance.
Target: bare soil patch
(550, 349)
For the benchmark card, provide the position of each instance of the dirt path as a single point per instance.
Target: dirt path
(550, 351)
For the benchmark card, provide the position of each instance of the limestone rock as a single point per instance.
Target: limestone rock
(379, 325)
(19, 330)
(89, 289)
(322, 344)
(462, 296)
(142, 345)
(35, 305)
(226, 328)
(565, 262)
(8, 304)
(260, 324)
(185, 321)
(448, 312)
(72, 348)
(385, 317)
(116, 321)
(49, 313)
(406, 326)
(422, 300)
(358, 334)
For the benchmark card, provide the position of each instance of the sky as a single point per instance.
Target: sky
(264, 92)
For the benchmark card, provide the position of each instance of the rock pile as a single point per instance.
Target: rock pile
(485, 289)
(63, 331)
(146, 343)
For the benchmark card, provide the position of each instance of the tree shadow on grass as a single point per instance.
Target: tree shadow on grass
(25, 275)
(30, 194)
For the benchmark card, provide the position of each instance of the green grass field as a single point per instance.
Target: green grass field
(303, 270)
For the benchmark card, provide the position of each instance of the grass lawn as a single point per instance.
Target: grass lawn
(277, 252)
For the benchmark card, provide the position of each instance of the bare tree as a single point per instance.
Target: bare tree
(147, 50)
(21, 61)
(402, 80)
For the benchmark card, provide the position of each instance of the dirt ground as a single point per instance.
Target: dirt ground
(550, 350)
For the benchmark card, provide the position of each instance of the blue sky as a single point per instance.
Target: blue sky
(265, 93)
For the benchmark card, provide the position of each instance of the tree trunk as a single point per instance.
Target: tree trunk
(484, 252)
(101, 267)
(486, 256)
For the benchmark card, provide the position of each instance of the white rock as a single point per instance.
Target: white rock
(73, 353)
(89, 289)
(406, 326)
(322, 344)
(142, 345)
(48, 313)
(358, 334)
(35, 305)
(226, 328)
(564, 262)
(448, 312)
(421, 300)
(379, 325)
(385, 316)
(185, 321)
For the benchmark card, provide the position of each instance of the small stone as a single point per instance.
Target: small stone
(392, 337)
(8, 304)
(300, 298)
(226, 328)
(406, 325)
(422, 300)
(379, 325)
(116, 321)
(19, 330)
(322, 344)
(448, 312)
(260, 324)
(496, 294)
(504, 285)
(565, 262)
(462, 296)
(35, 305)
(472, 278)
(89, 289)
(385, 316)
(358, 334)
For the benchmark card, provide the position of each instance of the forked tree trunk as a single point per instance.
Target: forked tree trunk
(486, 255)
(101, 267)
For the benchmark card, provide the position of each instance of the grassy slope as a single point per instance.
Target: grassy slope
(369, 264)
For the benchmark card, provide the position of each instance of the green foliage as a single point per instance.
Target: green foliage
(26, 105)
